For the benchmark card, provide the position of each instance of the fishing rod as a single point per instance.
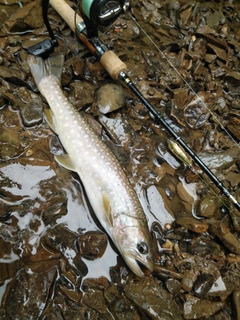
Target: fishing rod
(102, 13)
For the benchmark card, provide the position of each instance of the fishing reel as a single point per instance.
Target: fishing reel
(95, 14)
(100, 13)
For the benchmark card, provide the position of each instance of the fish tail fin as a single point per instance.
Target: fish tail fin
(43, 68)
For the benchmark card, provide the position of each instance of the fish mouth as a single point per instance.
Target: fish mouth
(137, 266)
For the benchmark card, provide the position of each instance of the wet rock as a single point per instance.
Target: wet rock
(154, 301)
(157, 207)
(184, 194)
(173, 285)
(119, 129)
(221, 53)
(220, 160)
(66, 76)
(196, 113)
(64, 241)
(195, 308)
(173, 79)
(95, 68)
(81, 94)
(173, 7)
(12, 74)
(192, 224)
(6, 248)
(28, 293)
(2, 102)
(189, 277)
(203, 246)
(110, 97)
(202, 285)
(44, 254)
(55, 145)
(236, 302)
(27, 243)
(71, 293)
(92, 244)
(131, 30)
(234, 127)
(10, 145)
(5, 211)
(7, 11)
(228, 238)
(55, 200)
(185, 14)
(193, 269)
(31, 111)
(151, 94)
(26, 18)
(233, 77)
(94, 299)
(121, 310)
(207, 206)
(77, 64)
(32, 114)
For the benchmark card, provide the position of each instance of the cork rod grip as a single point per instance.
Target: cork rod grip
(66, 12)
(113, 65)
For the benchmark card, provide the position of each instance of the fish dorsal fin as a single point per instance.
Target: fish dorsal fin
(65, 161)
(50, 119)
(108, 209)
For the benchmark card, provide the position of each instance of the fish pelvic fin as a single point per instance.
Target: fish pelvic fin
(41, 69)
(108, 209)
(65, 161)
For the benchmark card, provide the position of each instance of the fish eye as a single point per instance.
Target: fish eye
(142, 247)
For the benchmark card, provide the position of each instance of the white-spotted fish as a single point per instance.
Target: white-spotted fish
(111, 195)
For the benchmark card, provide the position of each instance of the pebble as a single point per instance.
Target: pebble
(194, 308)
(32, 114)
(110, 97)
(151, 91)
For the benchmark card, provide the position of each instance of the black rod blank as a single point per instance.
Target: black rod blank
(158, 117)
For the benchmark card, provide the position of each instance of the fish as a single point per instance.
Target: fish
(111, 195)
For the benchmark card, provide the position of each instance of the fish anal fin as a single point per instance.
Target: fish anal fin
(108, 209)
(50, 119)
(65, 161)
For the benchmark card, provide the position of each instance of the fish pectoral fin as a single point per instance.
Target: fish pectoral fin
(65, 161)
(108, 209)
(50, 119)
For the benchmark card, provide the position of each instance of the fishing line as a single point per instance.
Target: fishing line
(182, 78)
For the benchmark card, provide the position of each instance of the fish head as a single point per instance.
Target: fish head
(137, 250)
(131, 236)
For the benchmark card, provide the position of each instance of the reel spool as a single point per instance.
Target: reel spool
(100, 13)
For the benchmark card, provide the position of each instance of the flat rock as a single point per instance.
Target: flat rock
(110, 97)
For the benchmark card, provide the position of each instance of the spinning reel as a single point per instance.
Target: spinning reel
(95, 14)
